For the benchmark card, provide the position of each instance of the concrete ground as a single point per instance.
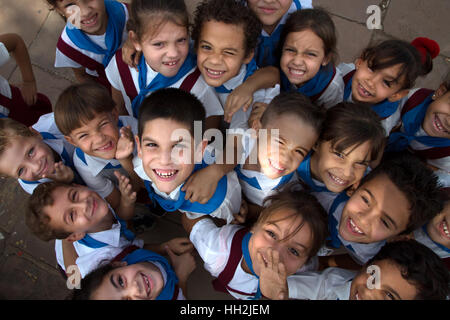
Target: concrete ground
(27, 265)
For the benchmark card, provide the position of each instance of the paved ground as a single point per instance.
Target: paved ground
(27, 265)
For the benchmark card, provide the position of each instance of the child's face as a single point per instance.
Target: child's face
(302, 56)
(392, 284)
(281, 154)
(93, 16)
(167, 157)
(78, 210)
(339, 170)
(437, 118)
(439, 227)
(371, 86)
(97, 137)
(377, 211)
(166, 49)
(276, 233)
(269, 12)
(27, 158)
(221, 52)
(140, 281)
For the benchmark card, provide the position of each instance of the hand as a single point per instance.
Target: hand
(254, 120)
(125, 144)
(29, 92)
(183, 264)
(179, 245)
(62, 173)
(201, 185)
(130, 55)
(241, 216)
(241, 97)
(128, 196)
(272, 276)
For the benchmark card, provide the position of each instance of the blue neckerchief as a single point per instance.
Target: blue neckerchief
(251, 67)
(304, 171)
(68, 160)
(265, 51)
(254, 182)
(384, 109)
(114, 31)
(315, 85)
(424, 228)
(159, 81)
(412, 122)
(186, 205)
(142, 255)
(333, 224)
(248, 261)
(90, 242)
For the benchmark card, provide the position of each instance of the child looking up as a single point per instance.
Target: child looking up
(169, 152)
(88, 47)
(159, 29)
(383, 75)
(292, 225)
(402, 270)
(86, 115)
(308, 50)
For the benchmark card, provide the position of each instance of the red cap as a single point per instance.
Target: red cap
(424, 46)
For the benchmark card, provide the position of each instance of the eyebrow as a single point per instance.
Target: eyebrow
(295, 242)
(229, 49)
(149, 139)
(383, 212)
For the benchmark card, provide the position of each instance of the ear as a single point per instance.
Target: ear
(115, 115)
(326, 60)
(134, 40)
(75, 236)
(440, 91)
(200, 150)
(249, 57)
(397, 96)
(358, 63)
(138, 146)
(35, 132)
(70, 140)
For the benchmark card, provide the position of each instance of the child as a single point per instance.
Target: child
(141, 275)
(159, 29)
(352, 137)
(35, 155)
(169, 153)
(225, 35)
(402, 270)
(81, 218)
(425, 126)
(384, 73)
(292, 224)
(273, 16)
(86, 115)
(89, 47)
(308, 49)
(397, 197)
(22, 104)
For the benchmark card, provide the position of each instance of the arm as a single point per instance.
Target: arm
(62, 173)
(69, 254)
(343, 261)
(16, 46)
(242, 96)
(81, 75)
(176, 245)
(183, 266)
(118, 100)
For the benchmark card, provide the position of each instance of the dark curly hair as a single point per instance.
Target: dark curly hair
(420, 266)
(228, 12)
(91, 282)
(416, 181)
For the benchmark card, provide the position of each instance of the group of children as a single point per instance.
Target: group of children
(331, 172)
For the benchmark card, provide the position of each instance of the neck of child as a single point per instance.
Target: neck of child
(106, 223)
(313, 167)
(269, 29)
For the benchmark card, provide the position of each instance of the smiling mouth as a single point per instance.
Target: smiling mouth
(338, 181)
(443, 229)
(170, 64)
(437, 123)
(148, 285)
(351, 225)
(214, 73)
(277, 167)
(90, 22)
(363, 92)
(107, 147)
(297, 72)
(165, 175)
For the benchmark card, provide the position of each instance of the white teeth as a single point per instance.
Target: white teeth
(148, 284)
(297, 72)
(275, 166)
(216, 73)
(337, 180)
(165, 174)
(355, 228)
(445, 227)
(367, 93)
(170, 63)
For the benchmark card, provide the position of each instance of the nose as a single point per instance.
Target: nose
(165, 157)
(298, 59)
(347, 170)
(172, 51)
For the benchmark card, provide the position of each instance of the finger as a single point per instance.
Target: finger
(260, 260)
(246, 106)
(275, 259)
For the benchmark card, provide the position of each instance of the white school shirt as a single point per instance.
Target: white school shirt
(389, 123)
(330, 284)
(333, 93)
(46, 123)
(360, 252)
(201, 89)
(230, 205)
(240, 118)
(5, 89)
(267, 185)
(213, 245)
(98, 173)
(90, 258)
(424, 239)
(61, 60)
